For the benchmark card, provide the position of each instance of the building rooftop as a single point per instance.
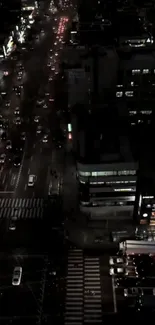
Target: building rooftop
(139, 61)
(105, 136)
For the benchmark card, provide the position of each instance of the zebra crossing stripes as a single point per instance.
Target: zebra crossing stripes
(21, 208)
(74, 288)
(21, 202)
(92, 291)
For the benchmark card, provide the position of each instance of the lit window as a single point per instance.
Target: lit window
(132, 112)
(129, 93)
(145, 71)
(124, 189)
(127, 172)
(136, 71)
(87, 174)
(146, 112)
(119, 93)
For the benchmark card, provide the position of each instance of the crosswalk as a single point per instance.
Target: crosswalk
(22, 208)
(83, 290)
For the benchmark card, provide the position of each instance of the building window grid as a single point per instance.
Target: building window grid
(108, 173)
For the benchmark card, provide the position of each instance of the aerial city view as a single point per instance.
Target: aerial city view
(77, 168)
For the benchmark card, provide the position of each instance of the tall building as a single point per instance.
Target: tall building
(111, 102)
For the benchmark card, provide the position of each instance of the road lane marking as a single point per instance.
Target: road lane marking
(20, 170)
(4, 178)
(25, 187)
(13, 179)
(34, 146)
(114, 295)
(31, 158)
(29, 171)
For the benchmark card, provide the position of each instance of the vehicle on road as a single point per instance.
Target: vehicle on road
(17, 121)
(31, 180)
(8, 144)
(39, 129)
(8, 103)
(17, 275)
(12, 226)
(116, 260)
(2, 158)
(45, 138)
(17, 111)
(36, 119)
(17, 161)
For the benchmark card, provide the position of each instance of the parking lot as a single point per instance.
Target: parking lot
(133, 290)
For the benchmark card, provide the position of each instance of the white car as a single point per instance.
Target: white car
(17, 111)
(116, 271)
(45, 138)
(116, 260)
(131, 292)
(2, 158)
(36, 119)
(17, 275)
(17, 121)
(31, 180)
(8, 144)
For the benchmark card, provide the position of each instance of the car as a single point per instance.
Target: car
(17, 161)
(19, 77)
(12, 226)
(40, 101)
(2, 158)
(23, 136)
(39, 129)
(31, 180)
(8, 144)
(17, 121)
(127, 282)
(15, 88)
(116, 271)
(130, 292)
(18, 93)
(116, 260)
(1, 123)
(3, 136)
(17, 275)
(17, 111)
(36, 119)
(8, 103)
(45, 138)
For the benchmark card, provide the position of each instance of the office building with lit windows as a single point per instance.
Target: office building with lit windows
(106, 163)
(135, 87)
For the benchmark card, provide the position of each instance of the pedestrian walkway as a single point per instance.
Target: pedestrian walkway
(92, 291)
(21, 208)
(74, 288)
(83, 289)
